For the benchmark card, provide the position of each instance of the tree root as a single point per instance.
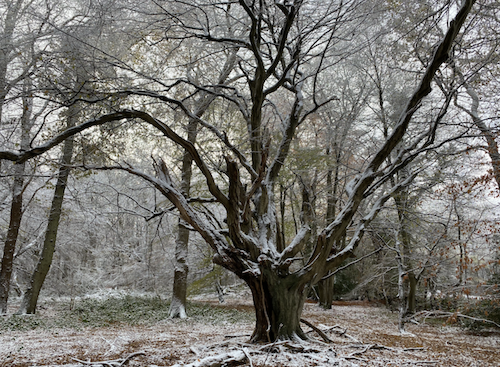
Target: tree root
(317, 330)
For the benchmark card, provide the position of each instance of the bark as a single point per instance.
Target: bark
(403, 258)
(278, 305)
(412, 293)
(16, 214)
(179, 295)
(6, 48)
(401, 292)
(326, 291)
(30, 298)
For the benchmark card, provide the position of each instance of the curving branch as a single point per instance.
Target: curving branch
(20, 157)
(23, 156)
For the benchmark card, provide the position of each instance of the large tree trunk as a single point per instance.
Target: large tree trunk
(30, 299)
(278, 306)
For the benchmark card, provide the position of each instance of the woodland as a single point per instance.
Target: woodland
(296, 152)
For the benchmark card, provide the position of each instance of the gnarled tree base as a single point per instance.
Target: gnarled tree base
(278, 305)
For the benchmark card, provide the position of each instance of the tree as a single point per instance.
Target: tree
(179, 294)
(284, 47)
(16, 209)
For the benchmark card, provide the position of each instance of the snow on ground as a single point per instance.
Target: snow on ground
(362, 335)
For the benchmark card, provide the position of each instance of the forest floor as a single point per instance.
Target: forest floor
(134, 331)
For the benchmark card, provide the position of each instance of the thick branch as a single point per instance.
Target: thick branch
(165, 129)
(23, 156)
(360, 185)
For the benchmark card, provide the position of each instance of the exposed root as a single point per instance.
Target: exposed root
(320, 333)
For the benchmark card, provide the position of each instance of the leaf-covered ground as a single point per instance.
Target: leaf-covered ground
(107, 329)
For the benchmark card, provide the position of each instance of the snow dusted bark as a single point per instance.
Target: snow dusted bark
(232, 358)
(278, 305)
(181, 268)
(401, 288)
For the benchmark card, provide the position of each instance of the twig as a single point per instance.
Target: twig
(194, 351)
(248, 356)
(368, 347)
(424, 362)
(365, 349)
(113, 363)
(440, 314)
(126, 360)
(272, 346)
(237, 336)
(321, 333)
(356, 358)
(225, 359)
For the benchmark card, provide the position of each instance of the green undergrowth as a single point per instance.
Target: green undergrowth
(119, 311)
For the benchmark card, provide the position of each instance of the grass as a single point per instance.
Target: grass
(116, 311)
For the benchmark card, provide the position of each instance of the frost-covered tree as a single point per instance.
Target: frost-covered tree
(282, 49)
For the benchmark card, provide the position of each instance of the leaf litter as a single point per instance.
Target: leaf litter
(361, 334)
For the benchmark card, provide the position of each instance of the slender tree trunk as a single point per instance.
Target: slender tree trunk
(30, 299)
(326, 287)
(179, 295)
(16, 214)
(16, 209)
(401, 293)
(326, 292)
(412, 293)
(179, 292)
